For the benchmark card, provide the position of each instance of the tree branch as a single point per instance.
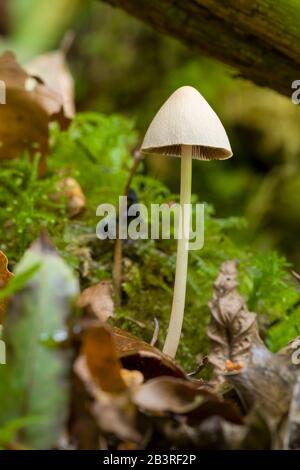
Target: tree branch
(259, 38)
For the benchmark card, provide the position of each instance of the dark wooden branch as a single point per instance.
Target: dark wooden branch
(259, 38)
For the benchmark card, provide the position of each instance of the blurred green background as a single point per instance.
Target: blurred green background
(120, 65)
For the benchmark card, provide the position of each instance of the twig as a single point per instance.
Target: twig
(137, 158)
(296, 276)
(155, 332)
(117, 263)
(140, 324)
(201, 365)
(117, 269)
(67, 42)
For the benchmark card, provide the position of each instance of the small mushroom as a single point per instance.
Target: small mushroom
(187, 127)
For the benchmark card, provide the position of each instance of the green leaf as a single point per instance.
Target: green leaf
(34, 381)
(9, 431)
(18, 282)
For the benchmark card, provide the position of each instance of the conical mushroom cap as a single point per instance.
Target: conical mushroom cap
(187, 119)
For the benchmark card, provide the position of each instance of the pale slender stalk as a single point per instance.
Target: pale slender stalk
(175, 325)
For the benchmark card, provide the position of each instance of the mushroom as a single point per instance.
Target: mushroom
(187, 127)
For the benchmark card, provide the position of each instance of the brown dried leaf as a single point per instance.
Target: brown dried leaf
(5, 276)
(291, 353)
(113, 412)
(263, 380)
(267, 385)
(83, 427)
(233, 329)
(258, 434)
(102, 360)
(266, 380)
(99, 369)
(214, 432)
(292, 437)
(136, 354)
(30, 106)
(53, 70)
(168, 394)
(120, 396)
(164, 395)
(97, 300)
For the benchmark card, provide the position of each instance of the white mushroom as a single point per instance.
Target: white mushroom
(187, 127)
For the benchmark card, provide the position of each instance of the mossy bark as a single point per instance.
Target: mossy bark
(261, 38)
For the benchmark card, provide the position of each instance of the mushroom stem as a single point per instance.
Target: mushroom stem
(175, 325)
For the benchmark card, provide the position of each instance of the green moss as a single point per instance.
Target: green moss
(97, 151)
(26, 206)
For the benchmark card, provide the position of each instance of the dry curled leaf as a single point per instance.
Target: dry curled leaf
(266, 380)
(263, 380)
(30, 107)
(169, 394)
(99, 369)
(102, 359)
(136, 354)
(53, 70)
(97, 300)
(233, 329)
(292, 437)
(214, 432)
(180, 396)
(5, 276)
(291, 353)
(113, 412)
(126, 406)
(267, 386)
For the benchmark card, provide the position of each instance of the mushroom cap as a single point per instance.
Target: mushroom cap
(187, 119)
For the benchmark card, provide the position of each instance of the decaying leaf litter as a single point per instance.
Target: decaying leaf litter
(74, 380)
(133, 395)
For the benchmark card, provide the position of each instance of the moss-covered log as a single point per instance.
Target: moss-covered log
(259, 38)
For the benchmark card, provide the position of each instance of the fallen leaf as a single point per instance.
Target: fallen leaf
(168, 394)
(164, 395)
(53, 70)
(113, 412)
(233, 329)
(102, 359)
(83, 427)
(265, 386)
(97, 300)
(292, 437)
(214, 432)
(258, 434)
(30, 107)
(5, 276)
(136, 354)
(99, 369)
(265, 378)
(291, 353)
(34, 381)
(122, 403)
